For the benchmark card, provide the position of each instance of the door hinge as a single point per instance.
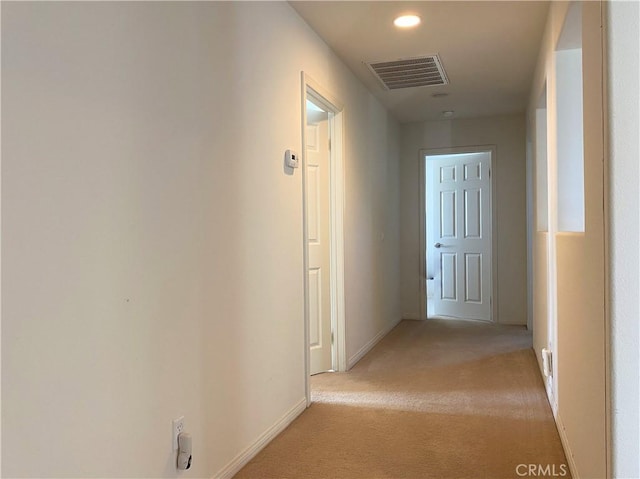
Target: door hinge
(329, 142)
(489, 172)
(331, 337)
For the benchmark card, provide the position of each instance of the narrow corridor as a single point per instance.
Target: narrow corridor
(434, 399)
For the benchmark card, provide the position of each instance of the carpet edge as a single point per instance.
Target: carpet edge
(238, 462)
(353, 360)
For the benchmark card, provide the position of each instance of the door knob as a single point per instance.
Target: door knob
(438, 245)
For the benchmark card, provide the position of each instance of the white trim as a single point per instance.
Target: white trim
(250, 452)
(607, 147)
(1, 229)
(369, 346)
(305, 248)
(337, 240)
(494, 221)
(565, 445)
(531, 226)
(338, 320)
(422, 221)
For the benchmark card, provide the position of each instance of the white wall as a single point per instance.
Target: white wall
(623, 37)
(508, 134)
(576, 278)
(372, 221)
(152, 241)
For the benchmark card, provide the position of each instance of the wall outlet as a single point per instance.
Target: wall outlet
(178, 427)
(547, 362)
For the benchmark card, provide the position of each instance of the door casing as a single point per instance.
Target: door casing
(310, 87)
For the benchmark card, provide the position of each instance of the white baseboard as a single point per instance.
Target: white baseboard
(567, 449)
(367, 347)
(558, 421)
(238, 462)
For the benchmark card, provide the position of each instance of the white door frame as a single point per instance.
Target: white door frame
(423, 222)
(336, 195)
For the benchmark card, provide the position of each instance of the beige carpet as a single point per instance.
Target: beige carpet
(434, 399)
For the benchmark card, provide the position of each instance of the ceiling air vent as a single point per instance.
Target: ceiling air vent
(410, 72)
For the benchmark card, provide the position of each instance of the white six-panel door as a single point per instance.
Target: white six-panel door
(318, 230)
(459, 235)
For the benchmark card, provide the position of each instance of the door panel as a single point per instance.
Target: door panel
(473, 277)
(458, 235)
(318, 226)
(472, 214)
(315, 308)
(473, 171)
(313, 203)
(449, 283)
(448, 214)
(447, 174)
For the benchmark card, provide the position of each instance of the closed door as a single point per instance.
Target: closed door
(459, 235)
(318, 231)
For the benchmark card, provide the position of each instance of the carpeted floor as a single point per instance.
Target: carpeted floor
(441, 399)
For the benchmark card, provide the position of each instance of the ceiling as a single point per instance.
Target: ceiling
(488, 50)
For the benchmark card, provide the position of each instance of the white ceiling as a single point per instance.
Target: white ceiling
(488, 50)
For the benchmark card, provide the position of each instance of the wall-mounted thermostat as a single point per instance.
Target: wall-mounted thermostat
(291, 159)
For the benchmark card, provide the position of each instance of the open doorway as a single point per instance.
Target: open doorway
(323, 198)
(457, 234)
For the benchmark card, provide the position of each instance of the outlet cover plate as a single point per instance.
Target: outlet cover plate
(178, 427)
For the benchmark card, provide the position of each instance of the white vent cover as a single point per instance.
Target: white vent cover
(409, 72)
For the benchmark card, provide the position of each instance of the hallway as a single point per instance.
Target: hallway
(434, 399)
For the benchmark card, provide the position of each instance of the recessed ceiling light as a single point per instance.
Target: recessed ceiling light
(447, 114)
(407, 21)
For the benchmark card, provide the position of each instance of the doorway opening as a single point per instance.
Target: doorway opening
(323, 211)
(457, 234)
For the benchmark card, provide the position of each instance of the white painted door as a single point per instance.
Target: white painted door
(318, 228)
(459, 235)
